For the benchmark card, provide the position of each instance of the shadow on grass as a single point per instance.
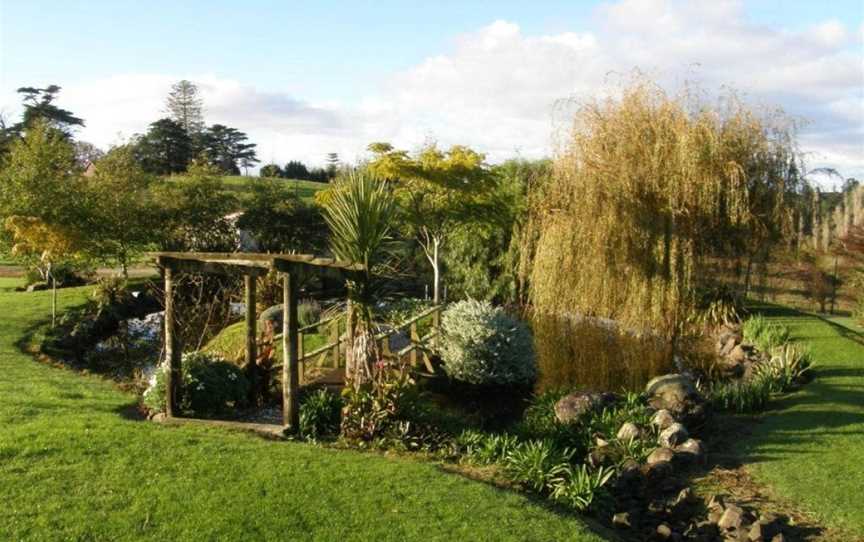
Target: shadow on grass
(591, 524)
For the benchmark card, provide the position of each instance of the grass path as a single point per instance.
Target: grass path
(810, 446)
(73, 468)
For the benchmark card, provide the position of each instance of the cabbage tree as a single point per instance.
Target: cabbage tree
(360, 212)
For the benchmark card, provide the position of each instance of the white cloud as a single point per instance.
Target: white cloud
(505, 92)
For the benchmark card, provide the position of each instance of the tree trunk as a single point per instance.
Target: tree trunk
(53, 301)
(436, 271)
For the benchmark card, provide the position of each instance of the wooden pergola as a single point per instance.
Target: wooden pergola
(294, 268)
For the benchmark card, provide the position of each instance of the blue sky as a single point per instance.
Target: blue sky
(305, 77)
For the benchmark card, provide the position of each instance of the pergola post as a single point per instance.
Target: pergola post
(251, 334)
(172, 350)
(290, 351)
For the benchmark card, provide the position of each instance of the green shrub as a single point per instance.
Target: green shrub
(208, 386)
(536, 463)
(308, 313)
(396, 312)
(320, 414)
(580, 488)
(485, 449)
(743, 397)
(373, 412)
(765, 335)
(789, 366)
(484, 345)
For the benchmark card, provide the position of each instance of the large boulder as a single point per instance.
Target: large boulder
(628, 431)
(673, 435)
(660, 455)
(578, 405)
(677, 394)
(274, 316)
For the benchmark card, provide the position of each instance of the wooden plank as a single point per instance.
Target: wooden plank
(172, 350)
(212, 268)
(251, 333)
(257, 258)
(290, 377)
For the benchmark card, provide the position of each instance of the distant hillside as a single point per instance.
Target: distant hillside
(239, 185)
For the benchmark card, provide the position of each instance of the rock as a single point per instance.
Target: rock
(779, 538)
(660, 455)
(159, 417)
(756, 534)
(600, 456)
(673, 435)
(677, 394)
(657, 473)
(729, 344)
(664, 531)
(714, 515)
(621, 520)
(672, 385)
(692, 448)
(766, 527)
(732, 518)
(716, 501)
(274, 315)
(738, 354)
(662, 419)
(628, 431)
(684, 495)
(574, 407)
(36, 286)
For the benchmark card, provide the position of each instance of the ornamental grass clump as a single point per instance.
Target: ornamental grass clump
(483, 345)
(649, 187)
(764, 334)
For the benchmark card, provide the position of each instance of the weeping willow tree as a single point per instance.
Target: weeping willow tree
(651, 192)
(359, 212)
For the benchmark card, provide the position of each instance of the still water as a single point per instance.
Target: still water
(577, 353)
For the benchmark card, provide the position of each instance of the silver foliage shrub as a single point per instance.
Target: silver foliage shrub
(482, 344)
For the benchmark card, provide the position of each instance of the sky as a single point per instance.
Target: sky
(307, 78)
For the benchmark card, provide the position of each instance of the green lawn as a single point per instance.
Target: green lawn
(239, 185)
(73, 466)
(810, 445)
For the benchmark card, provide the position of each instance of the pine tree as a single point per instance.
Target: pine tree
(185, 106)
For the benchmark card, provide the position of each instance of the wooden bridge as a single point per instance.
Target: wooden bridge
(325, 365)
(293, 268)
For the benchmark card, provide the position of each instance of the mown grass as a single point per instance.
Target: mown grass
(810, 445)
(231, 342)
(239, 185)
(75, 465)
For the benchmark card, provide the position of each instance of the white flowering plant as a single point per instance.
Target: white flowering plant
(209, 386)
(484, 345)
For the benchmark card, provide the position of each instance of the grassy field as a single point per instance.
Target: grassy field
(810, 446)
(231, 342)
(75, 465)
(239, 185)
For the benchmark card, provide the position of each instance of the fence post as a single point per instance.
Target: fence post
(415, 343)
(172, 350)
(252, 336)
(334, 337)
(290, 400)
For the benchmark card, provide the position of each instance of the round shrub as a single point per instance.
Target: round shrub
(484, 345)
(209, 385)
